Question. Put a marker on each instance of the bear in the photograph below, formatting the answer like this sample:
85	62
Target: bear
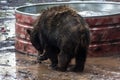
62	34
36	42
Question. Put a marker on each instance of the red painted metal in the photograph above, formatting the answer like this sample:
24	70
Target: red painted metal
23	44
105	33
103	20
25	47
25	19
21	31
107	49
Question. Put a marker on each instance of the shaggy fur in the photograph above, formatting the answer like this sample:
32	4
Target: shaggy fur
64	35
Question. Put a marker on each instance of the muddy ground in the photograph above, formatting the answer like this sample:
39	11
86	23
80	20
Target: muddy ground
18	66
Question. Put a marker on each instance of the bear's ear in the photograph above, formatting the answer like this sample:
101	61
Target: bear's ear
29	31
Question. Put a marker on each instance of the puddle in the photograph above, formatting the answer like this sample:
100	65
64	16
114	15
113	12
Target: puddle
18	66
104	68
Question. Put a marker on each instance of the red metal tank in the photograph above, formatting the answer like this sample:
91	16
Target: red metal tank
24	22
102	17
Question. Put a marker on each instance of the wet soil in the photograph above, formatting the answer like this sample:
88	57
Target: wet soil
18	66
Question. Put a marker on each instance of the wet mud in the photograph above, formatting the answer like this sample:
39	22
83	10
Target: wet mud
18	66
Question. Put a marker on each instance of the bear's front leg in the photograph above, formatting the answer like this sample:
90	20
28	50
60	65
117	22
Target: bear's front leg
52	53
43	57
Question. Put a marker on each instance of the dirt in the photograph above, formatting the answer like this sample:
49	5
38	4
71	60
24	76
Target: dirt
18	66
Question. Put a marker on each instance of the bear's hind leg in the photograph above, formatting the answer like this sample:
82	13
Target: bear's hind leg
64	59
80	59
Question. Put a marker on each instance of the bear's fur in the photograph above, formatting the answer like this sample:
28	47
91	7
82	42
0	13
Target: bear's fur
64	35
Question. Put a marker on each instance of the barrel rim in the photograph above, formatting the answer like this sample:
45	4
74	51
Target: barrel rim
71	2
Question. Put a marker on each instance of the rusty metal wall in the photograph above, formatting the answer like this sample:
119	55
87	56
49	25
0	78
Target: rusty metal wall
23	43
105	34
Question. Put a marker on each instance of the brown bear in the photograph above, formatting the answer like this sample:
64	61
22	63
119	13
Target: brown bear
64	35
37	43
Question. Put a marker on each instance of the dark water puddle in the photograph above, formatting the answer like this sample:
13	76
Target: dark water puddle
17	66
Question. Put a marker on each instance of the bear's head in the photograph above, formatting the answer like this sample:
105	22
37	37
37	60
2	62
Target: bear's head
35	39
